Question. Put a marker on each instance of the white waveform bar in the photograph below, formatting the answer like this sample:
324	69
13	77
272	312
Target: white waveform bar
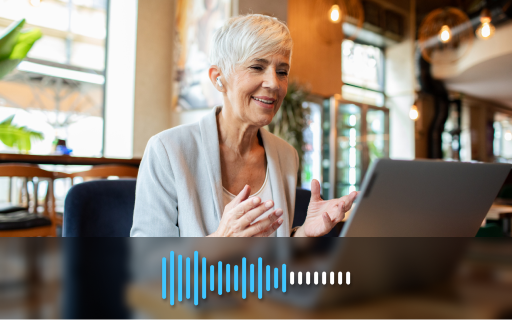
332	278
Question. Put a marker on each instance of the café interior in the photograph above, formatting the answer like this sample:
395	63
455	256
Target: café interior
84	85
370	79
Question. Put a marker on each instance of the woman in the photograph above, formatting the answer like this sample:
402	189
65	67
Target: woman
190	174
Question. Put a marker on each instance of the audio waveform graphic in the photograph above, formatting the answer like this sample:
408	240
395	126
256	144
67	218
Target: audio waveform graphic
220	283
230	276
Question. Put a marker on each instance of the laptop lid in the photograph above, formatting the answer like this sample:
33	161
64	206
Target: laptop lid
424	198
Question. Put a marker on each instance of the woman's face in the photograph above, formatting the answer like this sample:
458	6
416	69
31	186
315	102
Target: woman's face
257	88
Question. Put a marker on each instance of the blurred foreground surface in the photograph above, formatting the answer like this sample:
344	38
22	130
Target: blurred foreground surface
390	278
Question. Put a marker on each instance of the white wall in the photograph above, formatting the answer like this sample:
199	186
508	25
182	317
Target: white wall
120	79
399	90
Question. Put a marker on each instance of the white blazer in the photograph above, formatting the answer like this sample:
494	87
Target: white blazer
179	186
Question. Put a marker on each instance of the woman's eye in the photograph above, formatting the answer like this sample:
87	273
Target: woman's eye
256	68
283	73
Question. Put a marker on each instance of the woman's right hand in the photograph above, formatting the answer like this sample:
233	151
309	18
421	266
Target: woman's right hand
239	215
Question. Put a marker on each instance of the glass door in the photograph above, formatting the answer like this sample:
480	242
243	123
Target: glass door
348	149
359	134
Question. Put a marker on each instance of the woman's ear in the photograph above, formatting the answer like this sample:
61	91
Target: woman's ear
217	79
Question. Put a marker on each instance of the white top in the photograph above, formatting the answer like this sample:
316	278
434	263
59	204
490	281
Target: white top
265	193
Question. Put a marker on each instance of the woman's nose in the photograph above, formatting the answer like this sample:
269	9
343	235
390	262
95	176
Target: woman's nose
271	80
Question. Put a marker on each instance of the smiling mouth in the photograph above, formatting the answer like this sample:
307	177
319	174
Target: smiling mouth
269	102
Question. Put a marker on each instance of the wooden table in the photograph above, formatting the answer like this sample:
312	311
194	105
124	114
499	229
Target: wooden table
65	160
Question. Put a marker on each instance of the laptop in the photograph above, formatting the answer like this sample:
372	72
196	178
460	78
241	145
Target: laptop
438	205
424	198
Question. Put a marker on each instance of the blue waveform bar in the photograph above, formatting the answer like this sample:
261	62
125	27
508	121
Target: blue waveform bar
230	278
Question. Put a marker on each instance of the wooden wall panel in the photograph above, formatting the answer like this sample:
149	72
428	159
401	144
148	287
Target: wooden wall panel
314	62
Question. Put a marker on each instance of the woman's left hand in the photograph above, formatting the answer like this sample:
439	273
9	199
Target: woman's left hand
323	215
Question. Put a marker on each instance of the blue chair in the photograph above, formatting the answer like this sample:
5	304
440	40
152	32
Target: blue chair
104	208
100	208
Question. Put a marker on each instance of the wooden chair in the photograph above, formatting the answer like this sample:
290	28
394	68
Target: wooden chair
98	172
105	171
27	222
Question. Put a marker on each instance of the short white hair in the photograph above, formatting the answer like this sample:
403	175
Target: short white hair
245	36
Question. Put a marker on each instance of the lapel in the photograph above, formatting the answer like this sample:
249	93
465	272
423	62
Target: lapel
210	144
276	181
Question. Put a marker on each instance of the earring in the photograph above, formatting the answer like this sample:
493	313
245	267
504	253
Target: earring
218	82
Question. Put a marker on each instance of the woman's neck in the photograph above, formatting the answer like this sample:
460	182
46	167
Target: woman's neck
239	137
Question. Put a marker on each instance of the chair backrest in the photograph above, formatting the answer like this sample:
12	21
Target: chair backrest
104	171
24	171
100	208
29	171
302	197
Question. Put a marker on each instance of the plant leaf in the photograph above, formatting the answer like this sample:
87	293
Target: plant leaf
18	137
9	38
6	66
26	40
7	121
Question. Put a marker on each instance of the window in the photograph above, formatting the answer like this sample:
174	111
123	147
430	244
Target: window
502	146
362	73
356	125
58	89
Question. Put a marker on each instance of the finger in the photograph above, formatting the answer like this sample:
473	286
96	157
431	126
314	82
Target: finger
253	214
245	206
243	195
339	212
271	229
315	191
350	200
329	224
263	224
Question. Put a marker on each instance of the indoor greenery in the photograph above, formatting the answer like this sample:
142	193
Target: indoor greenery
18	137
14	47
290	121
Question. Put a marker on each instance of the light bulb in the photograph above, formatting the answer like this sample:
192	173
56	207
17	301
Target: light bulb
486	29
335	13
35	3
445	34
413	113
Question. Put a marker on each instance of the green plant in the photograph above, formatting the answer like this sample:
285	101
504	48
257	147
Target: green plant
17	137
291	120
15	45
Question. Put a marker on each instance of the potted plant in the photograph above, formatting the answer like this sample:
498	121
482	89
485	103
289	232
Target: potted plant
14	47
291	120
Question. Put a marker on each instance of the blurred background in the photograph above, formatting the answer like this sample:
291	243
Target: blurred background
369	79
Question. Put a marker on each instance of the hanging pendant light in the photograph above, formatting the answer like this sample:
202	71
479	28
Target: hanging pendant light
413	113
445	35
335	14
486	29
329	17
